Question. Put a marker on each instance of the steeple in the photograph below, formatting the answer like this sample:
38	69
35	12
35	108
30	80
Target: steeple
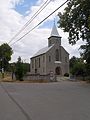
54	37
54	31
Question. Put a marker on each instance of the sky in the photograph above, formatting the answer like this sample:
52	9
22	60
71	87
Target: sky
14	14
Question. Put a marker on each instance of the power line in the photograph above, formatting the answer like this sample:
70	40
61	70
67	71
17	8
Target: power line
41	8
31	19
40	22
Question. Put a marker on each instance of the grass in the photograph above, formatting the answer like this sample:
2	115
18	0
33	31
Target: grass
25	81
8	78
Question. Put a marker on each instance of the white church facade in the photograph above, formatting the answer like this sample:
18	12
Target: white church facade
51	59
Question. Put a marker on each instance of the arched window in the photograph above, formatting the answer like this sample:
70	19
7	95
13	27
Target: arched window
57	55
39	62
49	58
32	63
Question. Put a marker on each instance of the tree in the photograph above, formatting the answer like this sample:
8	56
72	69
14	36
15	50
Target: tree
79	70
72	62
19	70
77	66
5	55
26	67
76	20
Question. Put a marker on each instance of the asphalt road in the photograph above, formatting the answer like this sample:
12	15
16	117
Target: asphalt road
45	101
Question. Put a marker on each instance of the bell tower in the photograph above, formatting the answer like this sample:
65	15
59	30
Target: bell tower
54	37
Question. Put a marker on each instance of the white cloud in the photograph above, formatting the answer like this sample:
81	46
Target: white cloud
11	22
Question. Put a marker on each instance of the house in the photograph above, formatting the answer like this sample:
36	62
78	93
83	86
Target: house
52	59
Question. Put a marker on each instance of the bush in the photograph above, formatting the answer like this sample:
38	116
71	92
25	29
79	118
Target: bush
66	74
19	73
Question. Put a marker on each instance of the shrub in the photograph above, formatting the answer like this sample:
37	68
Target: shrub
19	70
66	74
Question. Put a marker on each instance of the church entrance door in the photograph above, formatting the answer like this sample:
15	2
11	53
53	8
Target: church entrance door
58	70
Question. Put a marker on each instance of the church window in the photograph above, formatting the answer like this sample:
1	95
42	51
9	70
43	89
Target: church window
35	63
49	58
39	62
43	58
66	59
57	55
32	63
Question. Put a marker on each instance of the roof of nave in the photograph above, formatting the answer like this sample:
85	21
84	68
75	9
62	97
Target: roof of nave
42	51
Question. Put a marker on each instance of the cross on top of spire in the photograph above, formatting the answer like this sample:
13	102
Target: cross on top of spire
54	31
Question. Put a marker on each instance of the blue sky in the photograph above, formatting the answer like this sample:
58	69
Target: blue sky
23	7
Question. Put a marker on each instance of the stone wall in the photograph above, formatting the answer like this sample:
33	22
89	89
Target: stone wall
39	77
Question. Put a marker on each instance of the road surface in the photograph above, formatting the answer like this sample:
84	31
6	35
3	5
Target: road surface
46	101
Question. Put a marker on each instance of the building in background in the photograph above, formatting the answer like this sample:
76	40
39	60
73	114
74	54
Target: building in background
53	59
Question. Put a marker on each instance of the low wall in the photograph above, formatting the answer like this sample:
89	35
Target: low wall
39	77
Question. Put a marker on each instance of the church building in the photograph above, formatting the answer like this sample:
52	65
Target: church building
51	59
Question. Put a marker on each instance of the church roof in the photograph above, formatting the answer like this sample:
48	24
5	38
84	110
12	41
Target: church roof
54	31
42	51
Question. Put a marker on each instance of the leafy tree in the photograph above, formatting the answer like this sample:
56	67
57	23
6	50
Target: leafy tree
5	55
77	66
26	67
76	20
79	69
86	52
72	61
19	70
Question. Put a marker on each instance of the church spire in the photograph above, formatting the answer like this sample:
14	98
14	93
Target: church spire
54	31
54	37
